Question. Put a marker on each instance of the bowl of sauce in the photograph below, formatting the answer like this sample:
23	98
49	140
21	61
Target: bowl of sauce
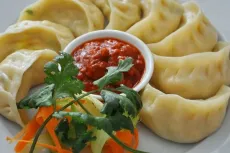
94	52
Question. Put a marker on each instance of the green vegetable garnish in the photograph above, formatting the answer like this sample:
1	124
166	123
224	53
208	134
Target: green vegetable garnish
117	103
132	95
42	97
62	74
30	12
74	134
118	111
114	74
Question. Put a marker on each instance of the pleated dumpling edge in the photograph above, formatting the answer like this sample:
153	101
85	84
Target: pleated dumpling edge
18	73
195	34
80	16
181	120
34	35
195	76
161	18
121	14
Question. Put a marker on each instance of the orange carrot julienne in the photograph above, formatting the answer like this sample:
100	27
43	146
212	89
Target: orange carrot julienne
20	133
126	137
136	139
59	107
112	147
39	144
81	101
42	115
30	131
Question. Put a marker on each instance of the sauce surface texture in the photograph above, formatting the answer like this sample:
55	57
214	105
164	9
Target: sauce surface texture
93	57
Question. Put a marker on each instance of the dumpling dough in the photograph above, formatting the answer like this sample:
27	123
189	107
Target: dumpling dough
122	14
81	16
196	34
220	45
161	18
18	73
181	120
34	35
196	76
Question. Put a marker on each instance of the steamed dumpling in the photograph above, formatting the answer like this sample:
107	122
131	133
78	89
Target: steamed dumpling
161	18
220	45
18	73
122	14
196	34
195	76
81	16
181	120
34	35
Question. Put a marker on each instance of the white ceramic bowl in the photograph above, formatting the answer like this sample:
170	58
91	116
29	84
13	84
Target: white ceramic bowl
141	46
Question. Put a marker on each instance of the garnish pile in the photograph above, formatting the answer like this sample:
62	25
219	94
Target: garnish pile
72	130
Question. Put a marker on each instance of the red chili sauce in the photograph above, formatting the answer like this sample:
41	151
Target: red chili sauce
93	57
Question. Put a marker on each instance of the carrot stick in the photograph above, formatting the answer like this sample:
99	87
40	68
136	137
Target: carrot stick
30	131
42	115
126	137
59	107
136	139
39	144
20	133
31	128
112	147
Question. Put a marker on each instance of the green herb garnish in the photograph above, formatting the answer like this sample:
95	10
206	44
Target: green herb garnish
118	111
74	134
114	74
42	97
30	12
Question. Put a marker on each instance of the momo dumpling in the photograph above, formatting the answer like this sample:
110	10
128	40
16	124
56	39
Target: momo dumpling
220	45
34	35
161	18
18	73
195	34
181	120
122	14
81	16
195	76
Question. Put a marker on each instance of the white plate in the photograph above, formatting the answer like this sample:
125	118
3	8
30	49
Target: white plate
217	11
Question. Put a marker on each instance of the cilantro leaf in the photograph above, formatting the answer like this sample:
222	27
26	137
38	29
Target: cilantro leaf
115	102
108	124
62	131
42	97
62	73
60	69
111	105
30	12
81	135
99	122
74	135
67	66
52	72
114	74
132	95
69	88
124	122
